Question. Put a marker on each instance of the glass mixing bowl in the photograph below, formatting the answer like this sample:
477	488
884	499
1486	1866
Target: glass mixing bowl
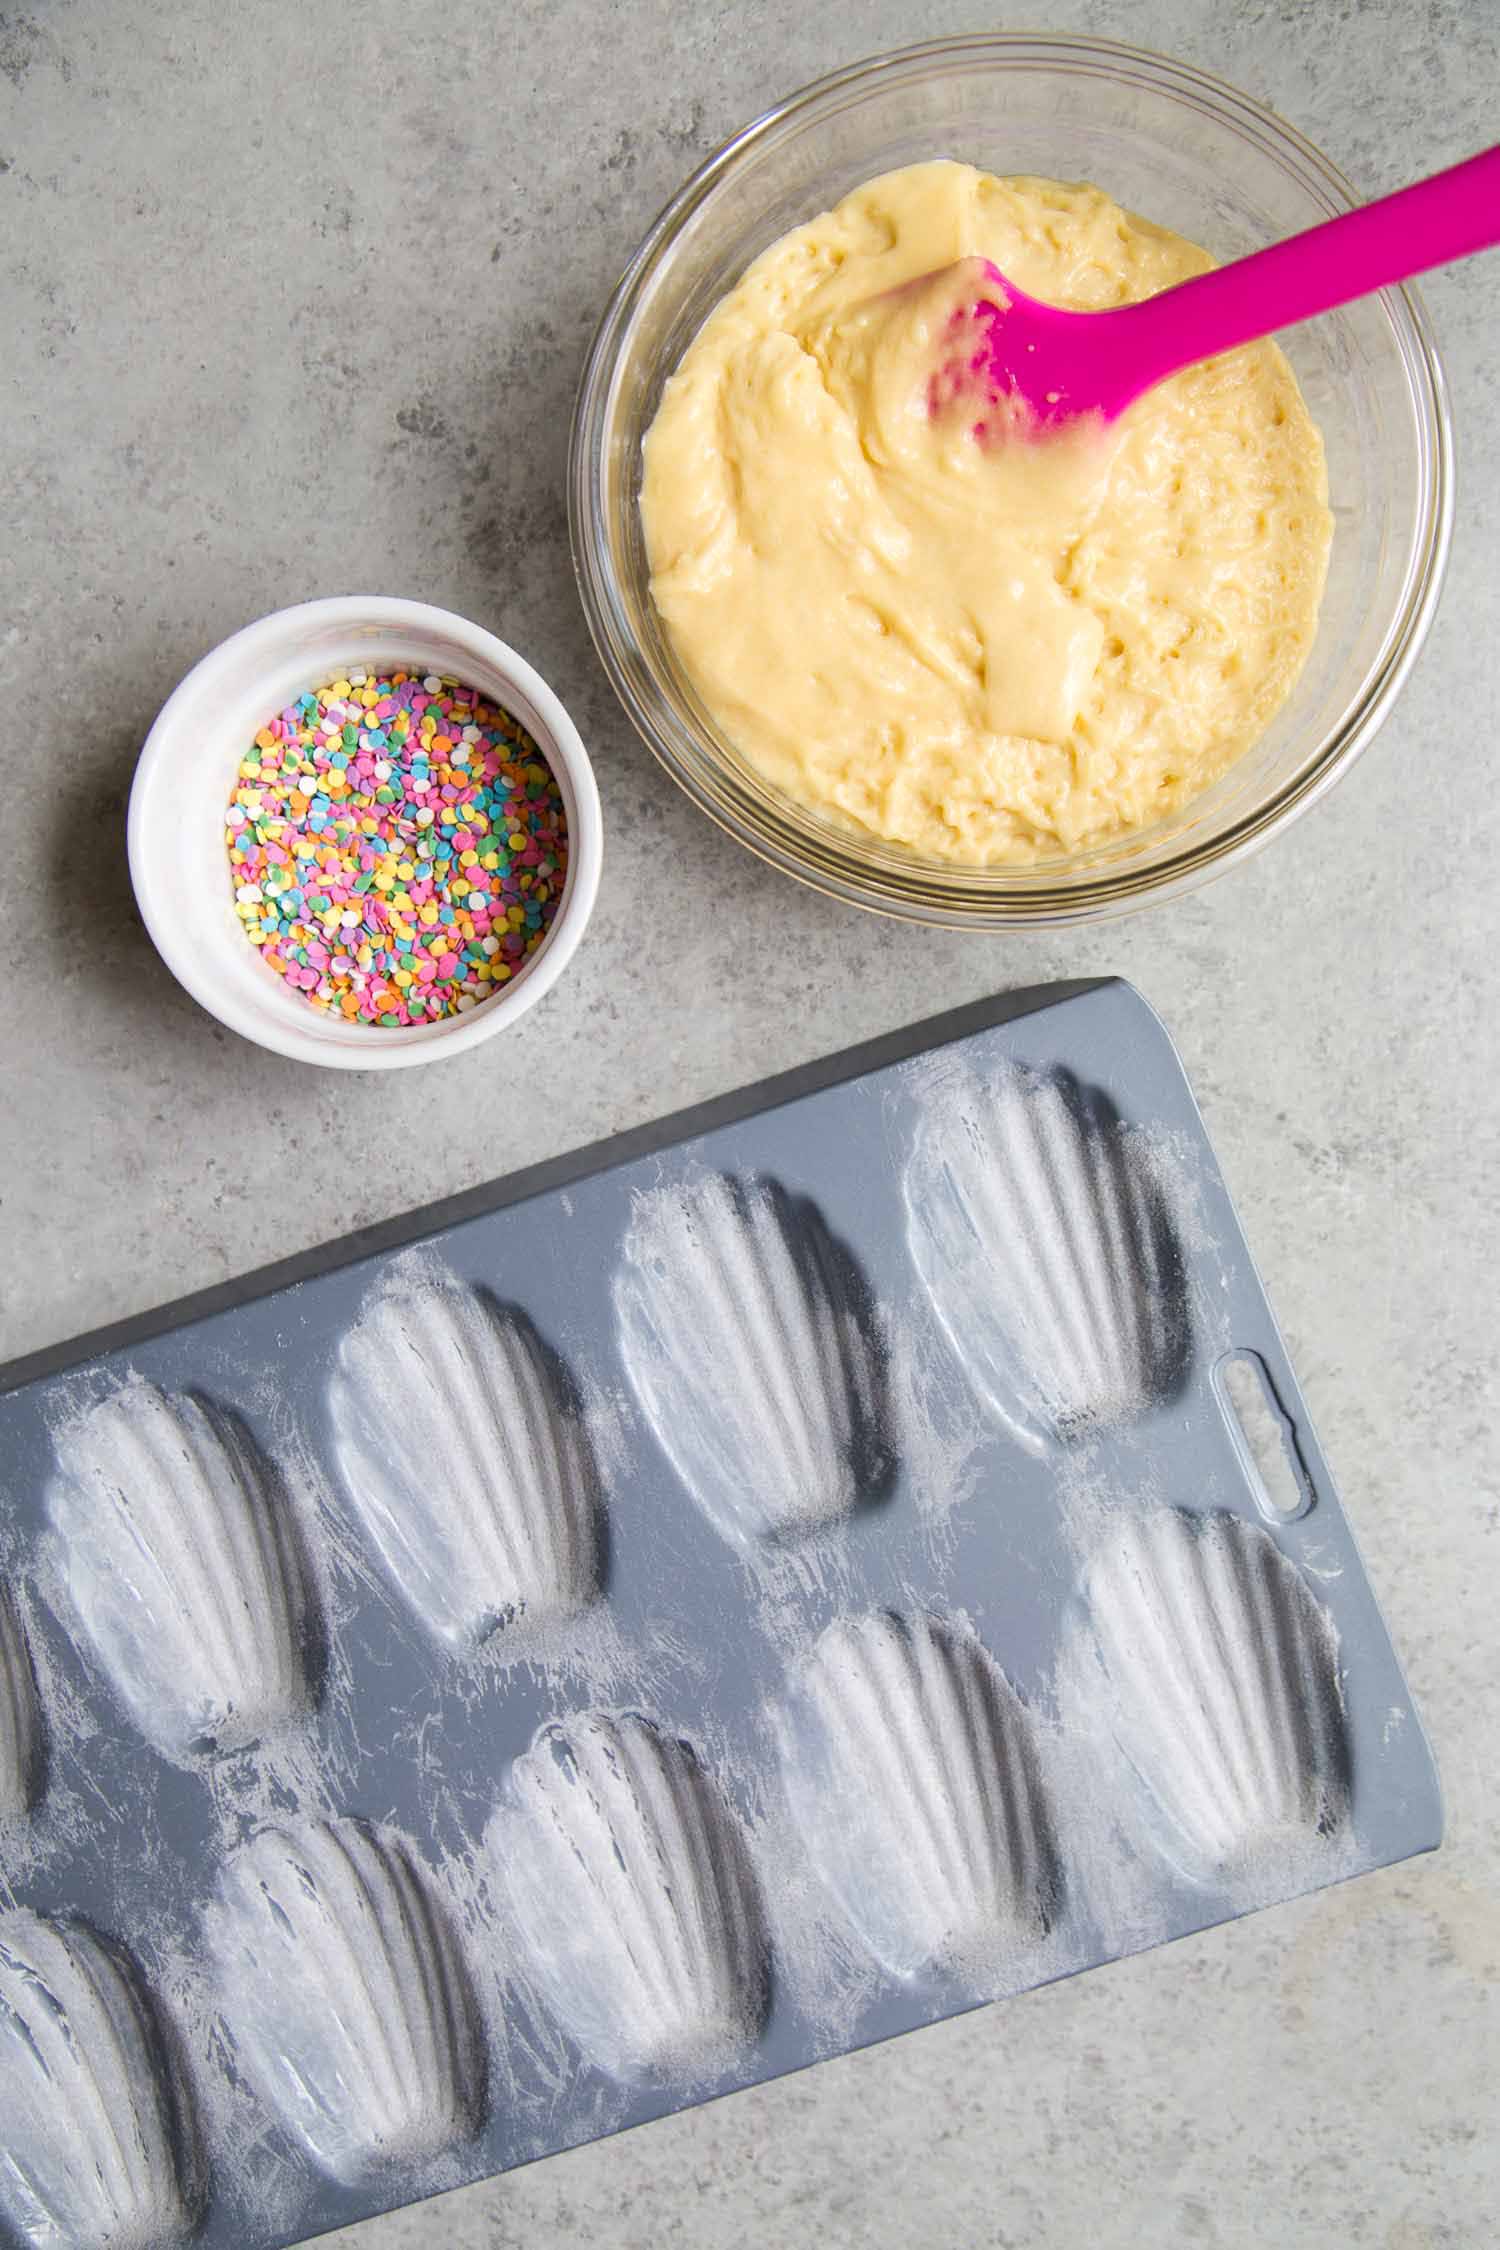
1177	146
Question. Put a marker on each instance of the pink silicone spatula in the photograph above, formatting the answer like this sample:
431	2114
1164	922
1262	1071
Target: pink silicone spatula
1057	365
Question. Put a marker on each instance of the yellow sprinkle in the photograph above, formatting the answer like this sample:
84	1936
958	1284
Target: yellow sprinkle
402	976
338	693
468	859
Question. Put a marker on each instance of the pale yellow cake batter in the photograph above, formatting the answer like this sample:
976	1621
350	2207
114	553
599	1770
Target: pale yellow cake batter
990	652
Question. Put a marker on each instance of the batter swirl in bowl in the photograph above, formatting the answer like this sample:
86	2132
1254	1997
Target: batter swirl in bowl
990	648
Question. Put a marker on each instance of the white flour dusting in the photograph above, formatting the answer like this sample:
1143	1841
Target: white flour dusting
630	1889
345	1995
1212	1670
748	1353
912	1777
467	1466
89	2144
1043	1246
169	1560
20	1717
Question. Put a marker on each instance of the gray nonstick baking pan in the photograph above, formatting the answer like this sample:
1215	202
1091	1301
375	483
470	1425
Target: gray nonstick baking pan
851	1552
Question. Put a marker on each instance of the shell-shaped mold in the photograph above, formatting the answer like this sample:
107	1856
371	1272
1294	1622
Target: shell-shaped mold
89	2151
467	1468
180	1570
20	1718
1044	1250
912	1776
1217	1675
631	1892
748	1355
345	1995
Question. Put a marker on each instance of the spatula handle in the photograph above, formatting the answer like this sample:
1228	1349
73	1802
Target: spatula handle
1449	216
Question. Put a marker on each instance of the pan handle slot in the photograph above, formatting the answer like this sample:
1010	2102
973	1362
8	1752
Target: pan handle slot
1264	1437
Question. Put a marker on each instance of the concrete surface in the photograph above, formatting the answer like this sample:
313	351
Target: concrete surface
293	303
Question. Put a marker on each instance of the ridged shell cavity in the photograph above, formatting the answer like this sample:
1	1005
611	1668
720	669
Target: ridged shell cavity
180	1571
748	1355
345	1995
631	1893
466	1465
21	1737
1044	1250
1215	1669
89	2155
912	1775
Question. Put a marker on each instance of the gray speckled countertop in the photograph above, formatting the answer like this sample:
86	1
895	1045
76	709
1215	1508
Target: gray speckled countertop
225	238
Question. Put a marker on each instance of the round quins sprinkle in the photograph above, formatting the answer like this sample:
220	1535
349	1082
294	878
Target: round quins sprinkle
398	847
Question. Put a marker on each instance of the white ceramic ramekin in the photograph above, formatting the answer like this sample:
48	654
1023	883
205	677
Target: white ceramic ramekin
185	777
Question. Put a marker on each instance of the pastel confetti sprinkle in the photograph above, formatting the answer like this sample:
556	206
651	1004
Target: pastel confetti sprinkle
397	847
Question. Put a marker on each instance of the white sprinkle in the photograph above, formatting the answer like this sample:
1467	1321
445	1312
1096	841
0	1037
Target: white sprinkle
358	679
489	945
382	769
249	894
432	684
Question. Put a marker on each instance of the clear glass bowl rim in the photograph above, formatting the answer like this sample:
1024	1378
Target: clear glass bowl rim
1010	898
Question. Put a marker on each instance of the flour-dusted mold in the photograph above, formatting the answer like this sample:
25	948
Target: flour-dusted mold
21	1739
746	1345
177	1564
1044	1248
464	1461
988	1782
912	1776
1215	1671
631	1891
92	2132
345	1995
